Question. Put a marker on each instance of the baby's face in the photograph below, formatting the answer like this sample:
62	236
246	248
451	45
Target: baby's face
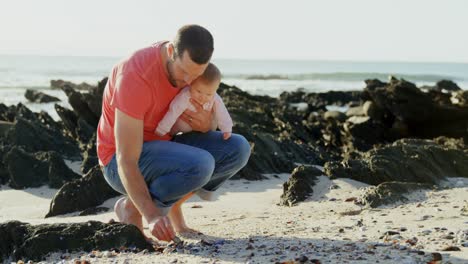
203	92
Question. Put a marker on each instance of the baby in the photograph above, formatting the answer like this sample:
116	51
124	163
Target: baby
203	91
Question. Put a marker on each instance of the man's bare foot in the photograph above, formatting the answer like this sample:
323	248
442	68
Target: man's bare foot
178	222
127	213
188	231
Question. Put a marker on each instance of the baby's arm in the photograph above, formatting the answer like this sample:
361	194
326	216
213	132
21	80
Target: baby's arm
176	108
222	117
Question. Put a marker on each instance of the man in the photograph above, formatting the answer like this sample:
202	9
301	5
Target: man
157	174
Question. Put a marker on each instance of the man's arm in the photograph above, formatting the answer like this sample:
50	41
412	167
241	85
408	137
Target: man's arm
129	143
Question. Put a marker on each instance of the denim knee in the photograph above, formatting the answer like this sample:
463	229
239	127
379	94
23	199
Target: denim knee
241	150
203	166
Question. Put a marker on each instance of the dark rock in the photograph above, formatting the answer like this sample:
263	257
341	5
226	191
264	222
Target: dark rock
46	120
89	162
425	116
34	136
372	84
299	185
69	119
447	85
79	103
4	175
39	97
90	158
464	210
390	192
84	131
26	170
362	132
297	96
406	160
462	98
89	191
451	248
93	211
24	241
4	127
59	84
334	115
278	138
340	98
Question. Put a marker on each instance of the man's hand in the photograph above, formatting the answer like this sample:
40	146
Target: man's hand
161	228
199	120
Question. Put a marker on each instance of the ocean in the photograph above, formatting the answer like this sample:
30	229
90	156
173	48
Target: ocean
263	77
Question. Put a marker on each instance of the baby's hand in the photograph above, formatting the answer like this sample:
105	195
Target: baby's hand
226	135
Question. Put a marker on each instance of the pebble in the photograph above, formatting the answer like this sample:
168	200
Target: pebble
426	232
451	248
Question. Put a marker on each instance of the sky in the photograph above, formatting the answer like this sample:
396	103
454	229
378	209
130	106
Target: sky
359	30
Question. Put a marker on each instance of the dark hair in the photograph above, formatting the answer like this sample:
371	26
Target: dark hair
211	74
197	40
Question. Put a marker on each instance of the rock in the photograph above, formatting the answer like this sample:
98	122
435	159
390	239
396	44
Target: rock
363	132
451	248
34	137
89	191
80	105
372	84
89	162
58	84
425	116
4	174
390	192
406	160
335	115
447	85
27	170
39	97
299	185
93	211
464	210
4	127
24	241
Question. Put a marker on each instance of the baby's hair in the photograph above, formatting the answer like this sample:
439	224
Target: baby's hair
211	74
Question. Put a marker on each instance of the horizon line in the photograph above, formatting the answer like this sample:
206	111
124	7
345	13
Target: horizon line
250	59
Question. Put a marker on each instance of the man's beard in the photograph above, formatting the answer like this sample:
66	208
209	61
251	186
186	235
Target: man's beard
171	78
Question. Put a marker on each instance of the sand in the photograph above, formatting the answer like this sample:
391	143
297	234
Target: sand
245	225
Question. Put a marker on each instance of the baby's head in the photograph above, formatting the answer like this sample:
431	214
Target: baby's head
204	87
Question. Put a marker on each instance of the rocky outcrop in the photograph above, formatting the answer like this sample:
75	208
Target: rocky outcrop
27	170
22	241
425	115
89	191
33	136
299	185
406	160
39	97
278	137
390	192
58	84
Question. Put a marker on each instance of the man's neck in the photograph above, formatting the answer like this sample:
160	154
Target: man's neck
164	58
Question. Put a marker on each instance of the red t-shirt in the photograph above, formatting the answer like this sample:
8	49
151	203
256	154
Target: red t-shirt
138	87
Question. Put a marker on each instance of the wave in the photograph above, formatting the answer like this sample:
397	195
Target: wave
342	76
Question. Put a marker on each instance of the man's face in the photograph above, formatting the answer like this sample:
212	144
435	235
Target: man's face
182	70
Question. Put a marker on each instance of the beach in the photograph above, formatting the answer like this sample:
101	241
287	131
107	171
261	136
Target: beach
250	227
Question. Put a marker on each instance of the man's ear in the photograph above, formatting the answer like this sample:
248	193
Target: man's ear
170	51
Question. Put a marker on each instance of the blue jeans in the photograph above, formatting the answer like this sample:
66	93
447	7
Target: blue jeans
194	161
